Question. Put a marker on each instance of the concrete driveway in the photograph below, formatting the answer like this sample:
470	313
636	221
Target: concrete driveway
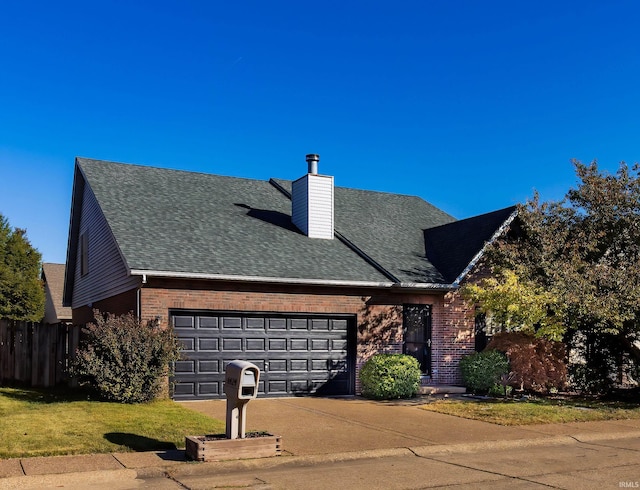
314	426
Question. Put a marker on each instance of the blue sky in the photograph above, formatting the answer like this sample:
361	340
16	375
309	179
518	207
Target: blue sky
471	105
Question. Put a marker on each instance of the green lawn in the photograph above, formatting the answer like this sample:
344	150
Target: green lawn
45	423
537	411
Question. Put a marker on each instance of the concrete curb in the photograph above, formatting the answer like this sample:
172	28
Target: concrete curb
581	438
152	466
222	467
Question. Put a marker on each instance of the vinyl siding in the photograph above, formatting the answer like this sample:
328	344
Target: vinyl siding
312	206
321	208
300	204
106	271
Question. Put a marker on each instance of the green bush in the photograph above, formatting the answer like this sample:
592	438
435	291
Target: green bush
124	360
483	370
389	376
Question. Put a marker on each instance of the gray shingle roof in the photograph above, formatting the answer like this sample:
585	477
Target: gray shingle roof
389	228
169	220
194	223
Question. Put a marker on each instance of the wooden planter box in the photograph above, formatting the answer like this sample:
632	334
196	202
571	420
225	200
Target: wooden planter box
219	448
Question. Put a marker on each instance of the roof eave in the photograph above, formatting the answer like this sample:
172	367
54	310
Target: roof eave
79	182
146	274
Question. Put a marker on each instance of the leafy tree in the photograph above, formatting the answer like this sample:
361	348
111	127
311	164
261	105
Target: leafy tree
517	304
573	266
21	290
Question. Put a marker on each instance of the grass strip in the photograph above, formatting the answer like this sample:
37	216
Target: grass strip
539	411
47	423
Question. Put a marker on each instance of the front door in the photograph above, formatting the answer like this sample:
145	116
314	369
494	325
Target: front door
417	334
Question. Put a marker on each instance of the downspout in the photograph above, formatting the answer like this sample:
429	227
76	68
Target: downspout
139	298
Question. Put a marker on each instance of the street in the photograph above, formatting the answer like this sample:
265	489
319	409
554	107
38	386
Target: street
598	465
555	463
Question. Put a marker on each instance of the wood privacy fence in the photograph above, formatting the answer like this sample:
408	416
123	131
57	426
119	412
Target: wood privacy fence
36	354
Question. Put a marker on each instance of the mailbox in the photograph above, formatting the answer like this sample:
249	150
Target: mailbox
240	386
241	380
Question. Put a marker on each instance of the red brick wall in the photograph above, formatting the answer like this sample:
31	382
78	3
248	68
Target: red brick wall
379	314
453	338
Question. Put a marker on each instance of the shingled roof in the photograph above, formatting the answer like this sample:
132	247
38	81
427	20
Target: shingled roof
452	247
202	224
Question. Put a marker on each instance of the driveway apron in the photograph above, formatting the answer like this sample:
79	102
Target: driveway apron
312	426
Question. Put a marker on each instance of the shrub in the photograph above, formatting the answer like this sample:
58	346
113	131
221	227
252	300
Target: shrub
590	380
482	371
600	363
537	363
388	376
124	360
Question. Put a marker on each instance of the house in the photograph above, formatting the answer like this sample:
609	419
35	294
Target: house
53	279
303	278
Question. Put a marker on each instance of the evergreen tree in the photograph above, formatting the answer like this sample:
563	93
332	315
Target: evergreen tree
21	290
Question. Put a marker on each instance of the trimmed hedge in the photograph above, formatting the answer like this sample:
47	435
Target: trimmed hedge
389	376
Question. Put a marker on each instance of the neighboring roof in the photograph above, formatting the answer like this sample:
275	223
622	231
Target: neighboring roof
199	224
53	277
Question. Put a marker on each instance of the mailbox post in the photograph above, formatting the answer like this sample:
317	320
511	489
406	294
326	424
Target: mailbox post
240	386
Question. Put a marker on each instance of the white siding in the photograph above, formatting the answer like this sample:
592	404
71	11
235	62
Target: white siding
300	204
106	271
312	205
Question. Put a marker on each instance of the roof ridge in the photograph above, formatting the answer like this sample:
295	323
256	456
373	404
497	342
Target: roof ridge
169	169
274	181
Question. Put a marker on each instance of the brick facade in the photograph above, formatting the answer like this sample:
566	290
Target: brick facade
378	313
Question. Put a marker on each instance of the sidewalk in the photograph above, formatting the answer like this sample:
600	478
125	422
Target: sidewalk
314	431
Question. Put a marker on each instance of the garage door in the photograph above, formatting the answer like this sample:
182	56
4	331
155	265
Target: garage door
296	354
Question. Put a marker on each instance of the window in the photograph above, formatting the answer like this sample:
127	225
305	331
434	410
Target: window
84	258
481	337
485	329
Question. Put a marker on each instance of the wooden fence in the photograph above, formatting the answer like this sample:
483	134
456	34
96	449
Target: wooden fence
36	354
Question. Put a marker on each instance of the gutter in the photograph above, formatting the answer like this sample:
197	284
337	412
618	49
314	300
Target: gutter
146	274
